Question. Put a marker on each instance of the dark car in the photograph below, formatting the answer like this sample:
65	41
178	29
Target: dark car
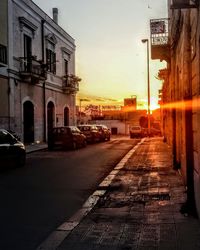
91	132
14	134
155	132
68	137
104	132
12	151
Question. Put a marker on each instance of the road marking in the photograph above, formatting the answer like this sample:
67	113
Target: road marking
59	235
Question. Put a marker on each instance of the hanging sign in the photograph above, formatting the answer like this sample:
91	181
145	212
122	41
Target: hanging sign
157	27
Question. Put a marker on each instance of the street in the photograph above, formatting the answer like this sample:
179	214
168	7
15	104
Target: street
50	188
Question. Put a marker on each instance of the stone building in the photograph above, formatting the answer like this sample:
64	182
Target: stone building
180	93
38	85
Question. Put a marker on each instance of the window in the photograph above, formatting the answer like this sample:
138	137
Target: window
27	53
3	54
66	67
51	58
27	46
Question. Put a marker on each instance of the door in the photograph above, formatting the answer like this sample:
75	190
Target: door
191	206
174	137
50	116
66	116
28	118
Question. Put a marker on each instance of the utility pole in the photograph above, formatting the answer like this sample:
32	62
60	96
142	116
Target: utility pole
148	86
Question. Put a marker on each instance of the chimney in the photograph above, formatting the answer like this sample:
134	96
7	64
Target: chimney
55	15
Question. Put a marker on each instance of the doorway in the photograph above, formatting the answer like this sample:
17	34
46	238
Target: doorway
50	116
28	118
66	116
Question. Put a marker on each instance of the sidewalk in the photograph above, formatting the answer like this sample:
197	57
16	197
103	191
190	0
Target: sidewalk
35	147
137	208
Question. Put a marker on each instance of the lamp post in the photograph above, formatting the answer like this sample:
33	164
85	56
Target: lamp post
148	85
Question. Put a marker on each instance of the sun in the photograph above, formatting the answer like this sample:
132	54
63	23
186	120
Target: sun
154	105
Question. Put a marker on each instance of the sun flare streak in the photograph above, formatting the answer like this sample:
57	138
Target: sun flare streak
183	105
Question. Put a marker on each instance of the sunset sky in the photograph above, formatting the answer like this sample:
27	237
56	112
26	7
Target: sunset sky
110	57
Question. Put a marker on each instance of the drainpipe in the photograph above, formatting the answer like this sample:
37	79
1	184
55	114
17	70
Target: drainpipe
44	83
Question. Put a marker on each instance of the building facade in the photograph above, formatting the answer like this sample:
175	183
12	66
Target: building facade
180	94
38	85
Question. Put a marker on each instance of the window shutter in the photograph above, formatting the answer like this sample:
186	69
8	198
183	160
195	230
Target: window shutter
48	59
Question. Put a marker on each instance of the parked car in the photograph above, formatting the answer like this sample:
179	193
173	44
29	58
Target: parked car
14	134
135	131
68	137
104	132
91	132
156	129
144	132
12	151
155	132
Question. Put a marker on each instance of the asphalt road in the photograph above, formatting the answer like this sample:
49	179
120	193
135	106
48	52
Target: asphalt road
51	187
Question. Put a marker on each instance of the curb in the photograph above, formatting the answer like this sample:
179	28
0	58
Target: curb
36	149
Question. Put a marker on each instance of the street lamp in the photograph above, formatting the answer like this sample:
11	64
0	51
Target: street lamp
148	84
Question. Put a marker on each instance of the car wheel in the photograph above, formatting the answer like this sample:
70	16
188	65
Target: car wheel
50	147
74	145
84	143
21	161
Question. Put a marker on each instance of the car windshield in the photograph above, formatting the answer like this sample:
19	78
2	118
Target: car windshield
61	131
136	128
84	128
5	137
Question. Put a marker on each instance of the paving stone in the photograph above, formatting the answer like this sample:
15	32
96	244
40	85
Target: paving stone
147	247
165	245
143	211
168	236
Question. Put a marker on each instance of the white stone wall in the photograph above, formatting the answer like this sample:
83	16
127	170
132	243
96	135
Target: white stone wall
21	91
122	127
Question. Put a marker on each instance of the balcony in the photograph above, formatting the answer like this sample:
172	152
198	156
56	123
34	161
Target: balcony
184	4
71	84
3	55
160	48
32	70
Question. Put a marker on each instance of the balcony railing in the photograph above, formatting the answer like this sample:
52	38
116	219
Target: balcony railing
32	69
3	55
71	83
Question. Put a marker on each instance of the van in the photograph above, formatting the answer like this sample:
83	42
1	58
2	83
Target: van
135	131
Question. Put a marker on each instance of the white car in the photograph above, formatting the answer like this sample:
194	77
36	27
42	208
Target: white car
135	131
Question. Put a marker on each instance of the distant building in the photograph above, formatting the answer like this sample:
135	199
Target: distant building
37	71
130	103
120	120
